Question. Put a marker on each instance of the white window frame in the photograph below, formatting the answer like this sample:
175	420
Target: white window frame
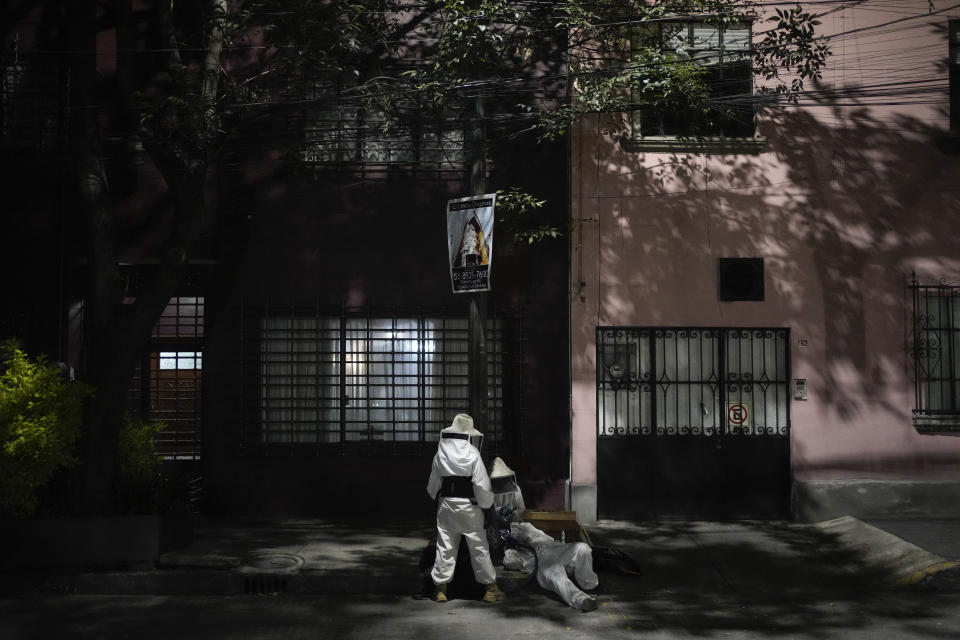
710	46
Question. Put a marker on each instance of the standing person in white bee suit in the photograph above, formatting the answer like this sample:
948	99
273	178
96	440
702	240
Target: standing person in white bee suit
460	481
555	562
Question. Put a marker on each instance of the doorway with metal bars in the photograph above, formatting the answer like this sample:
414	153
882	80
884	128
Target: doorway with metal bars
693	422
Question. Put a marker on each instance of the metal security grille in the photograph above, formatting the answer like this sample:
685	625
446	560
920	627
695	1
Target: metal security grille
32	100
349	135
167	384
352	135
692	381
370	378
936	355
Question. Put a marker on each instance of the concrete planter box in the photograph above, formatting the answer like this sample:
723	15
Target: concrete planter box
92	542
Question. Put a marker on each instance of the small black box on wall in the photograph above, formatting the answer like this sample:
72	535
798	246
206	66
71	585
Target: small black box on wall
741	279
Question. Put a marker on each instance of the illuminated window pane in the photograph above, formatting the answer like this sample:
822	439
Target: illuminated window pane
181	360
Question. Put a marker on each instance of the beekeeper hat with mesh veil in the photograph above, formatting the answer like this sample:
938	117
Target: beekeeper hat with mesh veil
502	477
462	429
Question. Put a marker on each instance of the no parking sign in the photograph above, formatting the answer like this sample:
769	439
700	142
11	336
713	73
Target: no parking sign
738	414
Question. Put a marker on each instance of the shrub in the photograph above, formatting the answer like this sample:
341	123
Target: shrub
137	464
40	417
137	449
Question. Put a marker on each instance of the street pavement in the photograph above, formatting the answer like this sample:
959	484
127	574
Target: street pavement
843	578
659	615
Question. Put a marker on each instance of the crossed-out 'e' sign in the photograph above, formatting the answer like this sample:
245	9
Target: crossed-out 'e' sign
738	414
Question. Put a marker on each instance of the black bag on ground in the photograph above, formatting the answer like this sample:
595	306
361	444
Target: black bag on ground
614	560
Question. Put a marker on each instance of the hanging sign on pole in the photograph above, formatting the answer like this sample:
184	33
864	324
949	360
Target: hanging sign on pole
470	242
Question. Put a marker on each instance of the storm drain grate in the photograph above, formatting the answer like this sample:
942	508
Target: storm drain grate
269	573
262	586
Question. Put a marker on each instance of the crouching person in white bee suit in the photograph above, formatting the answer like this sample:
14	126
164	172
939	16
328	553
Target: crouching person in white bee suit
506	492
555	561
461	486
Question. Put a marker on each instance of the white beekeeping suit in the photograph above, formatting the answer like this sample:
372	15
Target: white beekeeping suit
459	479
506	491
555	562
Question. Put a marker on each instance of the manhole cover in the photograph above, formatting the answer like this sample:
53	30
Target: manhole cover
273	562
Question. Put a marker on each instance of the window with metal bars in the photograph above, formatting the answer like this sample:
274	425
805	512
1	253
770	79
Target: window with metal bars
167	383
362	379
692	381
354	135
936	356
31	101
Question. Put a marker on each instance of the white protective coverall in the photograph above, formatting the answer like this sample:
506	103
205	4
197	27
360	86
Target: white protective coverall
460	516
506	491
557	561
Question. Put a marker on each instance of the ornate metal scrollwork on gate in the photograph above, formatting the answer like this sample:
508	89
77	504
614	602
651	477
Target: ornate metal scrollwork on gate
692	381
935	350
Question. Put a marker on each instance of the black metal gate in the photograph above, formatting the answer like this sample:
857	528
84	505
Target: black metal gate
693	422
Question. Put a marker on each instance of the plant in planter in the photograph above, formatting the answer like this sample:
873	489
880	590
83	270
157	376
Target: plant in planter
40	422
138	475
40	417
145	487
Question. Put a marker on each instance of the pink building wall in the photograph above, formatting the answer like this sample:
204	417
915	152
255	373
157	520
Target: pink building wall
844	203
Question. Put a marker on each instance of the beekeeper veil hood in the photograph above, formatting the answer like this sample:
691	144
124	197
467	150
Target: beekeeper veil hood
502	477
462	428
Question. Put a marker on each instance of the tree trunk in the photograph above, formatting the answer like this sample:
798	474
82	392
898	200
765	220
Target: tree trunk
118	334
102	278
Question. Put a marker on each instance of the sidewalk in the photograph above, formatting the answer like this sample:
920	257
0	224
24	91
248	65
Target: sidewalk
759	556
317	556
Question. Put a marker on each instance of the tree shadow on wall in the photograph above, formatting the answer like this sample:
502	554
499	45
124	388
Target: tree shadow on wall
842	206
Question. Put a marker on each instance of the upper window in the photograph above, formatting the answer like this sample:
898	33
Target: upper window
936	351
724	51
352	135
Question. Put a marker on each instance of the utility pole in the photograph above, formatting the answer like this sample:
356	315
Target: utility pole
477	325
475	168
